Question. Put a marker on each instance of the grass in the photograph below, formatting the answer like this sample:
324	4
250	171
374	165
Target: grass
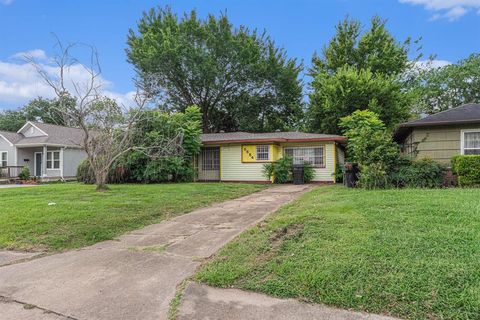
81	216
409	253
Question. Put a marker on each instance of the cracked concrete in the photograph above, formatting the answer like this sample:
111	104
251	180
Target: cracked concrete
129	277
201	302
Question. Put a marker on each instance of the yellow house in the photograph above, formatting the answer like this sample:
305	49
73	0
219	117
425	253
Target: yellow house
240	156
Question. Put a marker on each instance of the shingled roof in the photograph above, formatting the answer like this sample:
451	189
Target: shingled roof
12	137
464	114
245	137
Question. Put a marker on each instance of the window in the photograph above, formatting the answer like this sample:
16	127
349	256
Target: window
210	159
313	155
3	159
263	153
471	142
53	160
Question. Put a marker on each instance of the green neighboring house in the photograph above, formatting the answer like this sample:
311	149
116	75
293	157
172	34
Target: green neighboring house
442	135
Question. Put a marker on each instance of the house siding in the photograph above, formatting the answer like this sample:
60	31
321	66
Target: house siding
71	160
233	169
5	146
437	143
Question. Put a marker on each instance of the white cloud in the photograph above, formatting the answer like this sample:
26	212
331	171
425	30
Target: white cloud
447	9
38	54
432	64
19	81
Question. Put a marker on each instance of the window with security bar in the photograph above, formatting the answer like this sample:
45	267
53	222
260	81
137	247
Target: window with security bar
211	159
312	155
263	153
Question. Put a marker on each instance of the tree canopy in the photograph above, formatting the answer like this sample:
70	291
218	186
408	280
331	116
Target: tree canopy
448	87
237	77
359	71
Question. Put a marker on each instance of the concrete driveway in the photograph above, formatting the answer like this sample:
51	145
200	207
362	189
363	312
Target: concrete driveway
134	276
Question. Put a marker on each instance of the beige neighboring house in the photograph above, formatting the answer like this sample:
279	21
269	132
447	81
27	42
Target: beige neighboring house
442	135
241	156
51	152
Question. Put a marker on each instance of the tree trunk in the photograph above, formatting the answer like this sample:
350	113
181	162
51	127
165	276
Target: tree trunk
101	181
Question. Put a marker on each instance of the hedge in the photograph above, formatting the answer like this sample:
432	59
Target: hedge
467	168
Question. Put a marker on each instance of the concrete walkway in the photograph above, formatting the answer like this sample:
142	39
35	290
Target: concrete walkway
201	302
135	276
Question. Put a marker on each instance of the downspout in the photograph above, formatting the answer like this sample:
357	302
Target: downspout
61	163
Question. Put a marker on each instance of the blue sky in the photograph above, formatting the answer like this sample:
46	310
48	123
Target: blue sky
450	29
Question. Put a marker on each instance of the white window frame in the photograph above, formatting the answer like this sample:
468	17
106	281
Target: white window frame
52	161
322	165
462	138
1	159
262	152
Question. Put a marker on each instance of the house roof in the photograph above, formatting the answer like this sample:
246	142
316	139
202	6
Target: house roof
55	135
464	114
245	137
12	137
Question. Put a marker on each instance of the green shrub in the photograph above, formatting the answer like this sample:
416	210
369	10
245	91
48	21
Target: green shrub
467	168
339	173
308	172
373	176
281	170
24	174
424	173
85	173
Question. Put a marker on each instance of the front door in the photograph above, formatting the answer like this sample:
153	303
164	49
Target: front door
209	164
38	164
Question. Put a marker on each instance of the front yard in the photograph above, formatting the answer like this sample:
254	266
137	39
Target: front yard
410	253
78	216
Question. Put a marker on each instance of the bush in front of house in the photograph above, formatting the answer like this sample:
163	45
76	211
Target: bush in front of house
467	168
24	174
282	170
424	173
85	173
374	176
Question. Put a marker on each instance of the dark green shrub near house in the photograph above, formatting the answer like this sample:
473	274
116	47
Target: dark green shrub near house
282	170
84	173
24	174
308	172
467	168
424	173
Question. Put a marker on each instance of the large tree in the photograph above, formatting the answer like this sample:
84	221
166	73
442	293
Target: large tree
238	77
442	88
358	71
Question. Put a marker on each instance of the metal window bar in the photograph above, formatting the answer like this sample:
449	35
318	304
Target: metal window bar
211	159
263	152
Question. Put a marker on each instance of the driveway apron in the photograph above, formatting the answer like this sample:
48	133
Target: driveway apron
136	275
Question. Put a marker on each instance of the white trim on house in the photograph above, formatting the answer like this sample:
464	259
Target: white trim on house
462	138
33	125
1	157
52	160
9	142
41	144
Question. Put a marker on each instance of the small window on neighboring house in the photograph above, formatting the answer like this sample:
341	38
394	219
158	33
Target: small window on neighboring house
263	153
314	156
3	159
471	142
53	160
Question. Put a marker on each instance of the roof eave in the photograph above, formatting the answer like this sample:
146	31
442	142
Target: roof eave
436	123
274	140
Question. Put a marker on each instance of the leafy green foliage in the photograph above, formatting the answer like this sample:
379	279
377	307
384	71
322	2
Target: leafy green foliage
368	140
39	109
467	168
442	88
280	170
138	166
24	174
373	176
359	71
424	173
238	77
308	172
85	173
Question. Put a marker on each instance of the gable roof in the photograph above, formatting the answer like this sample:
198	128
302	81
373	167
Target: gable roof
464	114
245	137
11	137
56	135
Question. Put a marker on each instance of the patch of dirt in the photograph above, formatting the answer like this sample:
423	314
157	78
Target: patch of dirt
287	232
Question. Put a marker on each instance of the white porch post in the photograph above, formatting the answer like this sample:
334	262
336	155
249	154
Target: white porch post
44	162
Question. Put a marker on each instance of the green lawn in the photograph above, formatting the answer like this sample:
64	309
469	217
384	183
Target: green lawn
82	216
409	253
